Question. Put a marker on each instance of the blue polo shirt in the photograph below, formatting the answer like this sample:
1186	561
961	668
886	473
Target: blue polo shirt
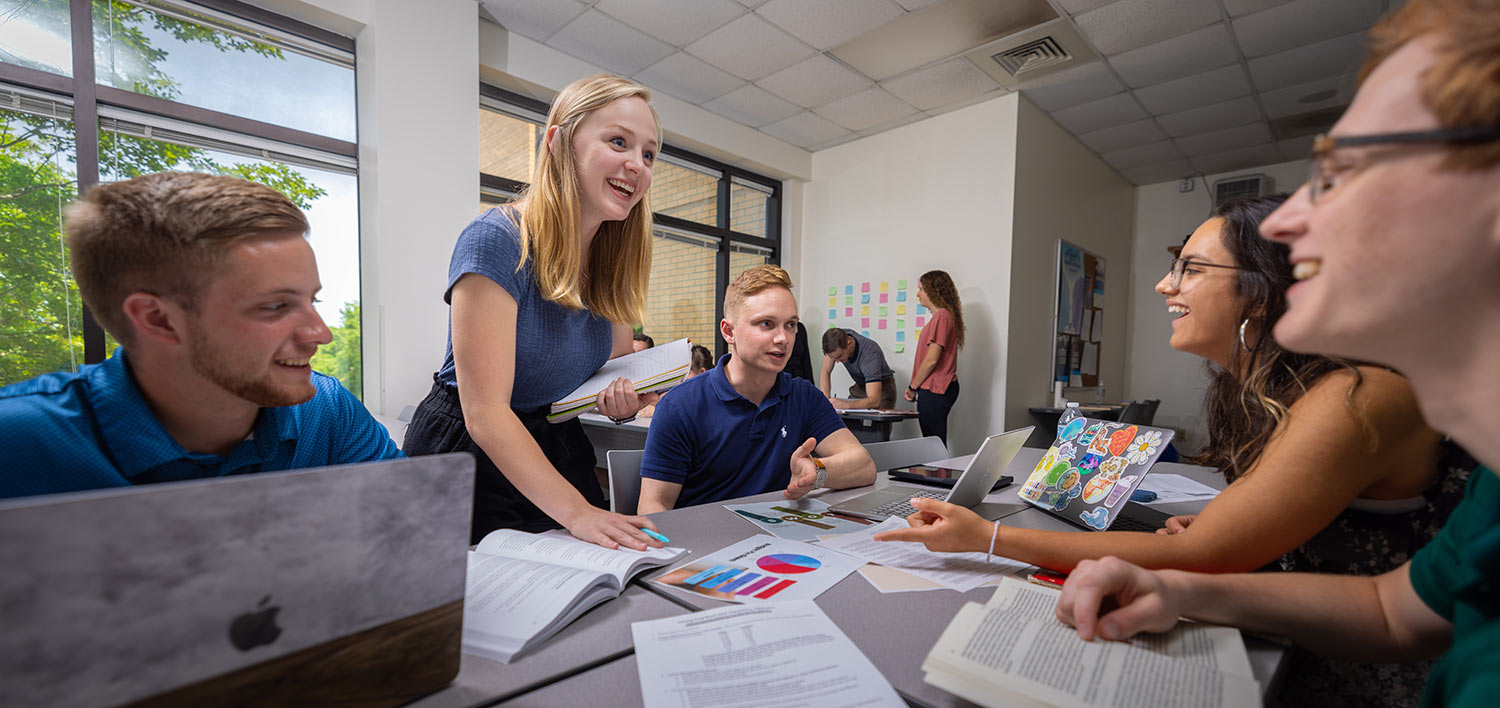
718	445
67	432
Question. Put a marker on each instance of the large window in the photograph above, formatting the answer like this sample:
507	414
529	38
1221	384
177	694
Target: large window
216	86
712	220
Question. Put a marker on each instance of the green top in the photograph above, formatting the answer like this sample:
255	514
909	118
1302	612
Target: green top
1458	576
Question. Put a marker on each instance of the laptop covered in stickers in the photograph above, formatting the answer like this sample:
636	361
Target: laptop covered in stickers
1088	473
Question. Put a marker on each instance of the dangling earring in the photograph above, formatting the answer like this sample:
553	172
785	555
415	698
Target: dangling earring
1244	346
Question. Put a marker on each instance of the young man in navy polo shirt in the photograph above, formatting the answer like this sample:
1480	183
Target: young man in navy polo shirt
208	283
745	427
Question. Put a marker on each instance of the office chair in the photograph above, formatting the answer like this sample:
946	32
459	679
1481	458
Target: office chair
624	479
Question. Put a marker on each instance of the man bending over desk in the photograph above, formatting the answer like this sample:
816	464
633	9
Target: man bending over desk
745	427
874	382
208	283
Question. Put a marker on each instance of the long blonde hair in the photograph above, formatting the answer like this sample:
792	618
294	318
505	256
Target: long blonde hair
619	258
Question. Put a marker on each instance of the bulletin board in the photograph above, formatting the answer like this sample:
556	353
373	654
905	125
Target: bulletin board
1078	319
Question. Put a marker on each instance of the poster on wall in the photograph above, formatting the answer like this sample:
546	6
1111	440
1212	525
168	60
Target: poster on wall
1078	317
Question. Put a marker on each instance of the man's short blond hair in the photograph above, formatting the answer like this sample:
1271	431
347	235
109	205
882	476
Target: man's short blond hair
165	234
752	282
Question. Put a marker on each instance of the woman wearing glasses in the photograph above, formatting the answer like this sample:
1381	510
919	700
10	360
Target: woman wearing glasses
1331	467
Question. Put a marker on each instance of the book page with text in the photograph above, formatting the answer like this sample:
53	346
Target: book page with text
563	549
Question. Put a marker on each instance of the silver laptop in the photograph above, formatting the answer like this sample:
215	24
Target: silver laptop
987	466
244	589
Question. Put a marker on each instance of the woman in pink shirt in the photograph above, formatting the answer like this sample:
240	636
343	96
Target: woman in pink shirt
934	383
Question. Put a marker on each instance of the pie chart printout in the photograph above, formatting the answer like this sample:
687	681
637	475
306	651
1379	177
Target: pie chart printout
788	563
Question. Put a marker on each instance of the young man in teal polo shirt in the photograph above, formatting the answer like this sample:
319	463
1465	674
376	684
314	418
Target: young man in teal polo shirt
746	427
208	283
1396	242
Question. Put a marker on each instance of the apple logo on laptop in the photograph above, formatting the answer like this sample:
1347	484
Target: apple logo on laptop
256	628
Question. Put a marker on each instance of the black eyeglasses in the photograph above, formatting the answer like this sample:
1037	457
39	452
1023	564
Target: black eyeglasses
1180	266
1323	176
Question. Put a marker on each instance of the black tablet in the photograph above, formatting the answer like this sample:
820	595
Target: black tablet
938	476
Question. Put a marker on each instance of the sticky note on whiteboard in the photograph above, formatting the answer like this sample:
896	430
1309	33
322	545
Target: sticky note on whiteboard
864	322
880	324
900	335
833	314
900	347
848	312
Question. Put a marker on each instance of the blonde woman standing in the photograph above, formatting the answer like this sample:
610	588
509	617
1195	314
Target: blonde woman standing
543	292
934	382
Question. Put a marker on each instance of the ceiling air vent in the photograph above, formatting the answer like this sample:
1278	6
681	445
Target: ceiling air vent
1031	53
1241	187
1032	56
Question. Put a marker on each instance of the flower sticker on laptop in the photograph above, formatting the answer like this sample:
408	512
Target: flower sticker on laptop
1144	447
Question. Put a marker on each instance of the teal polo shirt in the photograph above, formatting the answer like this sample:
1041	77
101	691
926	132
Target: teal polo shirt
718	445
67	432
1458	576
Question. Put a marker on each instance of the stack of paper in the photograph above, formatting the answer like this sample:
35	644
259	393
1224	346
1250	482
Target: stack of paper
655	369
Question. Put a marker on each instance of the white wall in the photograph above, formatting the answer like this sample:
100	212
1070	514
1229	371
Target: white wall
1063	191
1163	217
932	194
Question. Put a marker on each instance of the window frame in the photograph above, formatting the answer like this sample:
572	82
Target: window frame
88	96
493	97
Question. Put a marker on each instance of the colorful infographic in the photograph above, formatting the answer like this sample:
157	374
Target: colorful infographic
762	568
1091	467
799	520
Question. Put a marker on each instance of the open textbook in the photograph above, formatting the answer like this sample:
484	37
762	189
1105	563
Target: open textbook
654	369
1013	651
522	588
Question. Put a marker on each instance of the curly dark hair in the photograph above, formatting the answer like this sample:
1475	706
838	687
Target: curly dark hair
1242	413
943	294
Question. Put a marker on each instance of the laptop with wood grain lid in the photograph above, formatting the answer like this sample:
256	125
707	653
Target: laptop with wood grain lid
331	585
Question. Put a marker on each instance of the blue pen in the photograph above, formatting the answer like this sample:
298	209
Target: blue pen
656	536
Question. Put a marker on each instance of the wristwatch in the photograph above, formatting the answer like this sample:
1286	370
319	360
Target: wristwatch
622	421
822	480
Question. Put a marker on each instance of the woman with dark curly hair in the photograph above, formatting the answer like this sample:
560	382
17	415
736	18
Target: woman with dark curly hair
934	382
1331	466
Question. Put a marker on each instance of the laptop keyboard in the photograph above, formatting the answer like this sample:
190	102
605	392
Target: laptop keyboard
1125	522
903	507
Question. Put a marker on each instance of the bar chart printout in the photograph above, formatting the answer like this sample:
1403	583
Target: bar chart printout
762	568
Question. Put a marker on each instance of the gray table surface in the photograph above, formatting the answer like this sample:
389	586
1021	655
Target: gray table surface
601	635
590	662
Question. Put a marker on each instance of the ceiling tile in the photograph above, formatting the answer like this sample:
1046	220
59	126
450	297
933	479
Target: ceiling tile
1130	24
1304	98
675	22
1302	22
1070	87
1339	56
1243	158
1218	116
1159	172
941	84
1077	6
1119	137
909	118
866	109
1208	48
689	78
750	48
847	137
1141	155
536	19
1203	89
609	44
1296	148
1245	7
814	81
975	100
1228	139
829	23
1096	115
914	5
751	105
806	129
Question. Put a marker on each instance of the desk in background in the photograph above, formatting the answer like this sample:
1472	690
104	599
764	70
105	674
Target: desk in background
606	436
1045	420
874	426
